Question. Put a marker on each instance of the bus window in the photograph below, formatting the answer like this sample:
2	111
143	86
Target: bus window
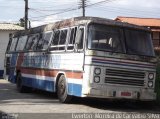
14	43
62	40
106	38
80	38
44	40
21	43
47	38
40	42
72	39
139	43
32	42
54	43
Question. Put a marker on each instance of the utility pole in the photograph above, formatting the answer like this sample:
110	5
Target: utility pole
26	14
83	5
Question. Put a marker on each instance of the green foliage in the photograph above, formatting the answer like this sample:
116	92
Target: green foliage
157	86
22	22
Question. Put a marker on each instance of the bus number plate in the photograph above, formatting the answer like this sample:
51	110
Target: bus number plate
126	94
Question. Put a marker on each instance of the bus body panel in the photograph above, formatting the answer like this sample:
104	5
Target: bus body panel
40	70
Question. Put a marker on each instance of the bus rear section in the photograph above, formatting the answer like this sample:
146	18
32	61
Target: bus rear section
48	60
119	63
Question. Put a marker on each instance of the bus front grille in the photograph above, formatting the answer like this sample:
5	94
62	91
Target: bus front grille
124	77
124	81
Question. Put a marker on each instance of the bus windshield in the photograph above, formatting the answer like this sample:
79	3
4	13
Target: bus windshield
112	39
139	42
106	38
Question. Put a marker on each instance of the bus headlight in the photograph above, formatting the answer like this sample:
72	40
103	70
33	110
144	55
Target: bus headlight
150	84
151	76
96	79
97	71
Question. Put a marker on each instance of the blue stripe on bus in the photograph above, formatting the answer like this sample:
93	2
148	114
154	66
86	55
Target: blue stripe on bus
39	84
1	73
73	89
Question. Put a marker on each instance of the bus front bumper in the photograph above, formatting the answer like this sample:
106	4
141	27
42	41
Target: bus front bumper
116	92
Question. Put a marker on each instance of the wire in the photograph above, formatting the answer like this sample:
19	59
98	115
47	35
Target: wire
97	6
51	10
37	11
72	9
138	10
126	11
100	2
19	7
57	13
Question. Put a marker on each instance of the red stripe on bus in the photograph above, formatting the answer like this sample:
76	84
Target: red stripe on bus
51	73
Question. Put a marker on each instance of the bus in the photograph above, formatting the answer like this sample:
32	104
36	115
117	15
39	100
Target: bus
84	57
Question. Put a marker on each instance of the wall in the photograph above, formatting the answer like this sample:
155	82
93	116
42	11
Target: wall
156	39
4	38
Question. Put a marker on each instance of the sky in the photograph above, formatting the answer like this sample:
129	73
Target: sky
47	11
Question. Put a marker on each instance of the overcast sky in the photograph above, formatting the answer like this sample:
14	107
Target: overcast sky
13	10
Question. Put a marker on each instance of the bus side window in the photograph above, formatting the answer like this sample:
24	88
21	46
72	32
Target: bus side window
62	40
44	40
55	40
21	43
40	42
29	42
71	41
13	45
80	38
32	42
47	38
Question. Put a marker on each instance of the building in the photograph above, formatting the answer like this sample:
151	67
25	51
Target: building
152	23
5	30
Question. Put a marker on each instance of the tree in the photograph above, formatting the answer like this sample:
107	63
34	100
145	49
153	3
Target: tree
22	22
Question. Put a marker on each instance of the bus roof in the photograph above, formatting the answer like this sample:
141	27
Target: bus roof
77	21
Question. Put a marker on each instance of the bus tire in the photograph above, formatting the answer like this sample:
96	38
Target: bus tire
62	90
20	87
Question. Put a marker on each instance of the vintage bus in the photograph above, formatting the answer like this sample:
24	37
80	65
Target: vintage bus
84	57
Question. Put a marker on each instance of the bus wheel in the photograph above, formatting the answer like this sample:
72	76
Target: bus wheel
20	87
62	90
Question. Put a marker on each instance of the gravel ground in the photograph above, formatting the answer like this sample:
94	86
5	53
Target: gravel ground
11	101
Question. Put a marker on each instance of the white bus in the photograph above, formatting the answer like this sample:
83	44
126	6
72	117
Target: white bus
84	57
